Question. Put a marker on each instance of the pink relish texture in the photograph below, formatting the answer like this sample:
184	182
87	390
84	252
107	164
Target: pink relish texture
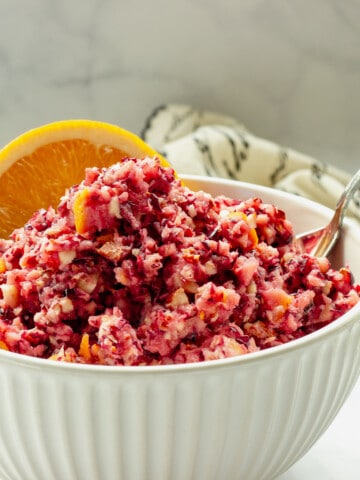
133	268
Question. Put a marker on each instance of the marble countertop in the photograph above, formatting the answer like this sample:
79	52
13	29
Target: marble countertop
290	71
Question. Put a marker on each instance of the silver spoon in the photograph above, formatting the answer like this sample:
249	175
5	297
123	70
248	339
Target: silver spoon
320	241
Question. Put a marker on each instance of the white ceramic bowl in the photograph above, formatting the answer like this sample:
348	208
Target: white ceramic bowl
247	418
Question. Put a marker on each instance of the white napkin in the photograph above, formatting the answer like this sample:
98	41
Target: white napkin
206	143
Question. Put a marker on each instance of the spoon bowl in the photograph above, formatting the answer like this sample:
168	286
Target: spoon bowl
319	242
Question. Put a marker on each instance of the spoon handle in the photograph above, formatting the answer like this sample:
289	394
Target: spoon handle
331	233
350	190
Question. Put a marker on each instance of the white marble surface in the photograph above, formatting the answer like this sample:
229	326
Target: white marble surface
290	70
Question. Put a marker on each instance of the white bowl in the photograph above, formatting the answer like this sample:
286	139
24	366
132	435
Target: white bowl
248	417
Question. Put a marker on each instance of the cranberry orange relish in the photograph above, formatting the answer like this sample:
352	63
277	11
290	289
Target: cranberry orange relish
133	268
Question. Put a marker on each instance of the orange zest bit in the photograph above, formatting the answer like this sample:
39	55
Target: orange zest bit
3	345
84	349
2	265
79	210
254	236
237	216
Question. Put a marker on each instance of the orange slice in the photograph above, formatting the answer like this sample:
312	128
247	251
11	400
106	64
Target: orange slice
38	166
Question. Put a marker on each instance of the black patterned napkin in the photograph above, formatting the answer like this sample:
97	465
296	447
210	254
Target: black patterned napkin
206	143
